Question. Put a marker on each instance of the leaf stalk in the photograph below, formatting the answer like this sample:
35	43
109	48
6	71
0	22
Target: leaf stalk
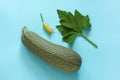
89	41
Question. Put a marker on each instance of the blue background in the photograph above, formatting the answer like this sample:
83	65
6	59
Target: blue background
18	63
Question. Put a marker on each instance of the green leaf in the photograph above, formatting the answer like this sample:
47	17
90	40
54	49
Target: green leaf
69	38
86	23
67	19
68	34
60	28
64	30
83	21
78	16
71	25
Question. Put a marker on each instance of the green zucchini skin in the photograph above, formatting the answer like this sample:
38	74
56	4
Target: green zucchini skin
57	56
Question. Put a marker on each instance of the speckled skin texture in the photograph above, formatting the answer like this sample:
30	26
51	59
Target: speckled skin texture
57	56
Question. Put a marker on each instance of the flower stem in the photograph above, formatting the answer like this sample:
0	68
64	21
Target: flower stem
41	17
89	41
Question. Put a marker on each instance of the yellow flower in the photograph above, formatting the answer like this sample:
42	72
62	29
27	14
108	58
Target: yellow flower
46	26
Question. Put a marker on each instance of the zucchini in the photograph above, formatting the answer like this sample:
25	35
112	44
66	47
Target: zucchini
57	56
